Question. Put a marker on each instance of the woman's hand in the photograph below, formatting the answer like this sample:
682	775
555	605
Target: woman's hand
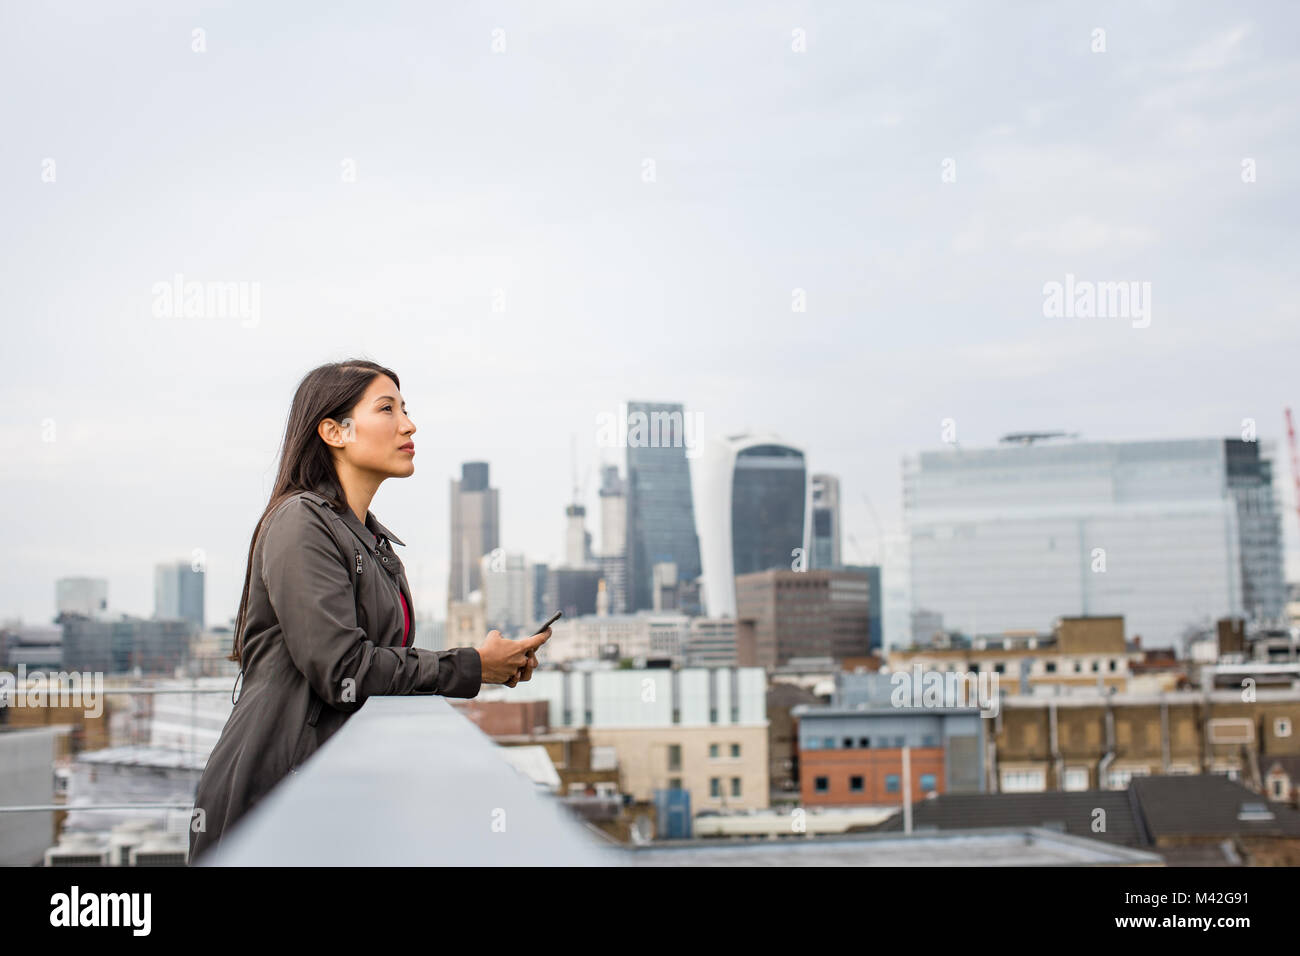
508	662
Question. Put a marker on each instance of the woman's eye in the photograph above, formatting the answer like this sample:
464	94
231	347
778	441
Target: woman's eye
387	408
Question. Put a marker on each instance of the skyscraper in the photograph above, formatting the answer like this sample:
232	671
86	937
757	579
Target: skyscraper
475	528
178	592
1250	481
754	502
613	538
825	522
660	509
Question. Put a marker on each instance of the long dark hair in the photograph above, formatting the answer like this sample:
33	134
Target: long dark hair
330	391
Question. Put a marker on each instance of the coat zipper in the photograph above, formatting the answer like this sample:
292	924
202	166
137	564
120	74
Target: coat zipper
357	552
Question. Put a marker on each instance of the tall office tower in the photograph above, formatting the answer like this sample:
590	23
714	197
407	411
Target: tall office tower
1013	537
1250	480
178	592
85	596
825	522
613	537
475	528
660	509
754	499
577	539
507	591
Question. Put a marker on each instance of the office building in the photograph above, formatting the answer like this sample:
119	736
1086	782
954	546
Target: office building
754	507
825	522
178	592
1006	539
660	503
786	614
475	528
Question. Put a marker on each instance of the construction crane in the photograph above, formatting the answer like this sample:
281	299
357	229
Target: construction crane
1295	458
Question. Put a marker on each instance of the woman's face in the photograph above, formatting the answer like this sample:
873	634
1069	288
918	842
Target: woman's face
374	436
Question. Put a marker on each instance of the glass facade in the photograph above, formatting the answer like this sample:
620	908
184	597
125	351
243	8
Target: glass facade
768	499
1013	537
660	508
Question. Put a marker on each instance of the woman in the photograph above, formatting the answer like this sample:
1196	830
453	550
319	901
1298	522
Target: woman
325	618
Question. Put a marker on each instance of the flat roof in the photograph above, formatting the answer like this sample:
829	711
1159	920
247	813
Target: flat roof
1012	846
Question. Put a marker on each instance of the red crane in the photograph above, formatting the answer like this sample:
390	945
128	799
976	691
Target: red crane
1295	458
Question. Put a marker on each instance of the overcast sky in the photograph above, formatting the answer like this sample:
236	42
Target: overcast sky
643	188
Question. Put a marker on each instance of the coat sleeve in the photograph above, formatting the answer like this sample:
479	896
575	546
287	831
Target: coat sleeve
308	584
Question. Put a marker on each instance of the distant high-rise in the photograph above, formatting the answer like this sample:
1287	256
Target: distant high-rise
1250	481
85	596
660	509
178	592
825	522
577	539
754	498
1170	534
475	528
613	538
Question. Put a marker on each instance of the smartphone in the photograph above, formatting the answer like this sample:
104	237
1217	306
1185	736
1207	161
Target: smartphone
551	620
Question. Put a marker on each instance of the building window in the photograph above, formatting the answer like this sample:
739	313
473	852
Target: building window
848	743
828	743
1023	781
735	750
674	783
1282	727
1279	791
735	786
929	740
928	783
1119	779
1114	664
891	783
1096	666
715	787
864	742
713	751
674	756
1076	778
1000	668
822	784
855	784
1050	667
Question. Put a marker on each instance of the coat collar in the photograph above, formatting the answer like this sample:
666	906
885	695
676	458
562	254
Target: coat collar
371	525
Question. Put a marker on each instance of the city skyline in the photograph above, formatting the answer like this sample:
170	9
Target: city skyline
847	245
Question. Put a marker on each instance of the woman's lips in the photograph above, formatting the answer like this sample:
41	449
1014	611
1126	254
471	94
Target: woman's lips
408	448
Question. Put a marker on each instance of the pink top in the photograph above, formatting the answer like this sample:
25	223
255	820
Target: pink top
406	620
406	611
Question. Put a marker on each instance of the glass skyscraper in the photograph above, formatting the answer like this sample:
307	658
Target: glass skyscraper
1169	534
660	505
754	505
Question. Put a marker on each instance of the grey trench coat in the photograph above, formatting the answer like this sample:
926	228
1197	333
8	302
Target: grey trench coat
323	632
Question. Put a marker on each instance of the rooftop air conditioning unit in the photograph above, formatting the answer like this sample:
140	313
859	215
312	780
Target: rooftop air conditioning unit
161	850
78	849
